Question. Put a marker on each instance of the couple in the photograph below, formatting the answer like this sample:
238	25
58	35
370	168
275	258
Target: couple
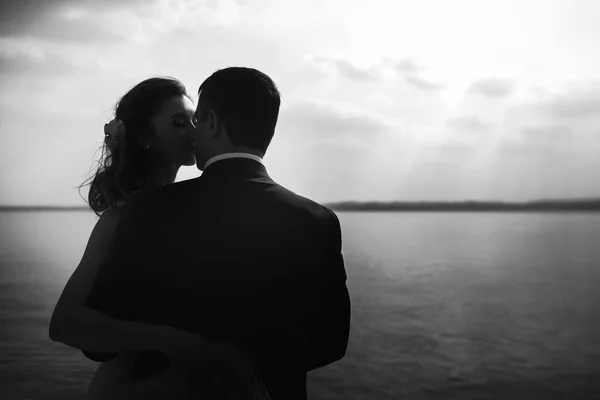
227	286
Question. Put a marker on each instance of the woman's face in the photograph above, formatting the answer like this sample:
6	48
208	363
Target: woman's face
171	139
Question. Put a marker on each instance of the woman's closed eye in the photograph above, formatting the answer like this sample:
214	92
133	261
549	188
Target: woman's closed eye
179	122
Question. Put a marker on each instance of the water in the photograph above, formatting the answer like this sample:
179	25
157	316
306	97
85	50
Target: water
445	306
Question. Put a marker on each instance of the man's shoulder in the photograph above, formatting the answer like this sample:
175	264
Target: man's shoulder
307	206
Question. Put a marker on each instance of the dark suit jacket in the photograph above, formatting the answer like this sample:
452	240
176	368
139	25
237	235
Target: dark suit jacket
233	256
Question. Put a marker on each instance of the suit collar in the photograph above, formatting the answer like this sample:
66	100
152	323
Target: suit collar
226	156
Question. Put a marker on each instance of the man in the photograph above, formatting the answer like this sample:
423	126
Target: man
232	256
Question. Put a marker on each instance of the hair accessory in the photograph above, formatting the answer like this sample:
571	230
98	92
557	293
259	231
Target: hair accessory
114	129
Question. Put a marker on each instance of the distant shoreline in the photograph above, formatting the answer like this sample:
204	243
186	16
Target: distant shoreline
43	208
470	206
587	205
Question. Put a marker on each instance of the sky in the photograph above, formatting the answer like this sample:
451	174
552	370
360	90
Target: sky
381	100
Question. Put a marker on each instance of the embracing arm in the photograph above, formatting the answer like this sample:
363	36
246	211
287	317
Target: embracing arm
82	327
329	327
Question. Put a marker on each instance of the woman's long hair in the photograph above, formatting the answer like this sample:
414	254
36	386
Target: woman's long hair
125	165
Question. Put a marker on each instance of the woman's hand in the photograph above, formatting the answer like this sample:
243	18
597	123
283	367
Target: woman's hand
187	348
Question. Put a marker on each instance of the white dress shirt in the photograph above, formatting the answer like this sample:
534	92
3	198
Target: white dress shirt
232	155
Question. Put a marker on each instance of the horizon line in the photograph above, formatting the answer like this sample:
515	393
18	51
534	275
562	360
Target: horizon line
338	202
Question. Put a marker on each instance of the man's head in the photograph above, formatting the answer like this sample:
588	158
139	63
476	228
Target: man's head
237	111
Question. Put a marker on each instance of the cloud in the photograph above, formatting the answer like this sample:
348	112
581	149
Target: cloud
349	70
530	151
69	20
326	122
406	66
104	23
412	72
55	27
423	84
17	15
451	150
530	170
30	60
409	70
553	133
493	87
381	99
574	105
468	123
569	118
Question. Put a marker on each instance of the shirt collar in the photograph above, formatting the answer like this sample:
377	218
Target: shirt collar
232	155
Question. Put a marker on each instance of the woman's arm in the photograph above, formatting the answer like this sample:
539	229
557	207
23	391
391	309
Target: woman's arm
84	328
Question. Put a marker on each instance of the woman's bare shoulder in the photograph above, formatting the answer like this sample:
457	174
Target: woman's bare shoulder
109	218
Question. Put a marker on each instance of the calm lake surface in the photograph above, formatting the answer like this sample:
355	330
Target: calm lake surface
445	306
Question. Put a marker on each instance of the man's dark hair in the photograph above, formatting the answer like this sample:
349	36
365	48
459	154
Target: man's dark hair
247	102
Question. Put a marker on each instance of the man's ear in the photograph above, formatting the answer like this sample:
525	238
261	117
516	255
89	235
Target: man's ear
214	123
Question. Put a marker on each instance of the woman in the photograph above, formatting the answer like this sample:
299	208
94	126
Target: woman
144	147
